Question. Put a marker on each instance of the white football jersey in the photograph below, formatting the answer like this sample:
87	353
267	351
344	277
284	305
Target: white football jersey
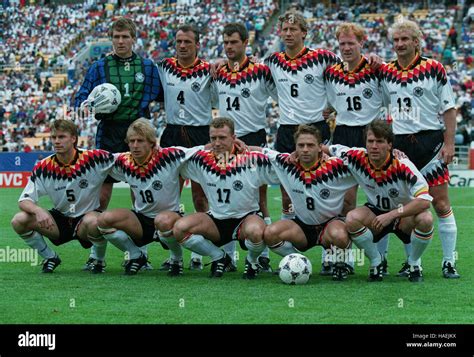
418	94
231	186
355	95
243	95
300	84
74	189
317	193
155	184
395	184
187	92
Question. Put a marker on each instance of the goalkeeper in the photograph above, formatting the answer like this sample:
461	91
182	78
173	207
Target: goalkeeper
139	84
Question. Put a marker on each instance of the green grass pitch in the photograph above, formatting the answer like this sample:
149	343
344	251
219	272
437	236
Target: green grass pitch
73	296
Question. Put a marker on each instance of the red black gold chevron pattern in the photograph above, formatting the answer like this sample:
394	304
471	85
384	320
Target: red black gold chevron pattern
249	71
229	165
420	69
158	160
363	73
198	69
306	58
438	176
392	171
322	171
84	161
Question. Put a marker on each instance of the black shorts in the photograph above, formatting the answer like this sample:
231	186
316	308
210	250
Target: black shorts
313	233
284	137
258	138
350	136
148	228
111	135
421	147
229	230
67	227
184	135
391	228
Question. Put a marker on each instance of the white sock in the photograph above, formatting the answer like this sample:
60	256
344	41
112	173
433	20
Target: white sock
176	251
266	252
364	239
122	241
382	245
195	256
231	250
350	255
448	232
267	220
254	250
99	247
419	242
283	248
198	244
287	214
144	249
36	241
407	248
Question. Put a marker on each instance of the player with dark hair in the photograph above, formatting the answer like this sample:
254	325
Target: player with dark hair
139	84
188	105
419	90
398	200
243	88
71	178
316	187
231	182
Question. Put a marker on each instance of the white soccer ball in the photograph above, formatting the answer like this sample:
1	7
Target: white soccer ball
295	269
104	99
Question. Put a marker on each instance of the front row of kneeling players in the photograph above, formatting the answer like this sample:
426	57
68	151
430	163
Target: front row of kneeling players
398	199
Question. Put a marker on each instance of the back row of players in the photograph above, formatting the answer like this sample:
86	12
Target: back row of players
415	89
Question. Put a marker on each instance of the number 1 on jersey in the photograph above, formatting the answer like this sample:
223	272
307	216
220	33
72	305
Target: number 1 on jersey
127	89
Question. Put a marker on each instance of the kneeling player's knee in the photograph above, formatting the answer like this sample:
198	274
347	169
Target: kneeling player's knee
19	221
90	221
105	220
424	221
254	233
164	222
180	228
339	237
352	220
270	235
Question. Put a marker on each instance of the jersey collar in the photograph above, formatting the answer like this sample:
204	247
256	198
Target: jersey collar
70	163
123	60
147	160
195	63
357	68
413	63
386	164
242	65
303	51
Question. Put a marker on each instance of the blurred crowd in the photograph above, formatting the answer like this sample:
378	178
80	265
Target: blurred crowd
40	41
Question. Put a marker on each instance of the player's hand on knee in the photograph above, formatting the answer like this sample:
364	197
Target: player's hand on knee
44	220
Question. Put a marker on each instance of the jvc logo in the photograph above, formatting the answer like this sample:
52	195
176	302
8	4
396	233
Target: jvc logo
37	340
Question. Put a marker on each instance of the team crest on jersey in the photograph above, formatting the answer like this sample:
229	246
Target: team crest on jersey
245	92
195	87
367	93
418	91
324	193
157	185
393	192
309	78
83	183
237	185
139	77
